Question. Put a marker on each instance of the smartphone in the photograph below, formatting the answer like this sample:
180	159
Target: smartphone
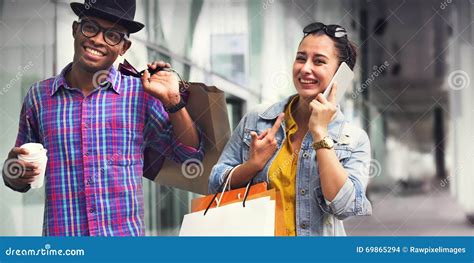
343	78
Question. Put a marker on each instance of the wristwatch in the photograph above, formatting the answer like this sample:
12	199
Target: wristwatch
326	142
176	107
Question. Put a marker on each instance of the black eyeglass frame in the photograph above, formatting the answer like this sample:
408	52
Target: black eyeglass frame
123	35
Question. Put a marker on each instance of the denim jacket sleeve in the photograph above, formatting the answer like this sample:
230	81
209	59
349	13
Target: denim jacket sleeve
351	199
231	157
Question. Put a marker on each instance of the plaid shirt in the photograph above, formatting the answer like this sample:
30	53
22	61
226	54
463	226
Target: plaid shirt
95	148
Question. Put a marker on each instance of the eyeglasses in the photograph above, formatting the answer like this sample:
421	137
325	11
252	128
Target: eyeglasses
91	29
335	31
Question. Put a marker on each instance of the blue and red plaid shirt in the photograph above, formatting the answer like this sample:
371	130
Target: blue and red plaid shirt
95	149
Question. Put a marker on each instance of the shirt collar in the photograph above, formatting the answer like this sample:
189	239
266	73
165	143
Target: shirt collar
289	120
113	77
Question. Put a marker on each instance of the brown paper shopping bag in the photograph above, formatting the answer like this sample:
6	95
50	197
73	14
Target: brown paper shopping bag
207	107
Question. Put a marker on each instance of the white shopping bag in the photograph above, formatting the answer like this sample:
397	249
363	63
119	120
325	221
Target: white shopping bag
254	217
257	218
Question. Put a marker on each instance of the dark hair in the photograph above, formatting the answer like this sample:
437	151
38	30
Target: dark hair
346	50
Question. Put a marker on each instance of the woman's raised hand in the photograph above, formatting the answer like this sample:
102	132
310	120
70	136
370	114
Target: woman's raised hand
263	146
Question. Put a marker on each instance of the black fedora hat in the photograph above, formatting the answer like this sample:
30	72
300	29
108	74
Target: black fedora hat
121	12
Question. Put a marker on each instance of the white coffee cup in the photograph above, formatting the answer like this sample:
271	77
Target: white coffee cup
36	154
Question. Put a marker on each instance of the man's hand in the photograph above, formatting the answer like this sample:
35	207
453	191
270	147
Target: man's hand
162	85
18	173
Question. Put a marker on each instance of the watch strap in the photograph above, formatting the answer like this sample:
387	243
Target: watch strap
173	109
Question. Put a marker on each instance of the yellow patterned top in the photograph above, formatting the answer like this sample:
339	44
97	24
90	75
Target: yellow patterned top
282	172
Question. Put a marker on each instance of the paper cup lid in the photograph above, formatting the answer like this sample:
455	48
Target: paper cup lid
35	150
33	147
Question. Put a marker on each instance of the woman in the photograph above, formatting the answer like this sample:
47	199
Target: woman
303	146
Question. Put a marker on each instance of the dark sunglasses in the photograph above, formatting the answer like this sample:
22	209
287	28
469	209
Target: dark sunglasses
335	31
128	70
111	36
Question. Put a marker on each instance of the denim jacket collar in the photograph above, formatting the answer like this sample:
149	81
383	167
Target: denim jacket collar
334	127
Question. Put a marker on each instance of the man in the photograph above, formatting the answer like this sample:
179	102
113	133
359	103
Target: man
95	123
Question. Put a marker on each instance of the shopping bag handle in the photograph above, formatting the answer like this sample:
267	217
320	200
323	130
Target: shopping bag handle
128	70
247	190
223	185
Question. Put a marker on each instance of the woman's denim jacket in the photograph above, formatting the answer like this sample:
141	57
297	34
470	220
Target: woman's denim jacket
314	214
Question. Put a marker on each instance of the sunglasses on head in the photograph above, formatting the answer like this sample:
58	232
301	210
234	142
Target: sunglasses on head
335	31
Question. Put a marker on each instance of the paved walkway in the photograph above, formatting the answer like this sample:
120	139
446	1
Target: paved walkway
434	213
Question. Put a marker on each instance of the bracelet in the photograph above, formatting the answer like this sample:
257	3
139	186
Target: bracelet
181	104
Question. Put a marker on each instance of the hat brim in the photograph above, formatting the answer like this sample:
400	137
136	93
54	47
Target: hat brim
80	10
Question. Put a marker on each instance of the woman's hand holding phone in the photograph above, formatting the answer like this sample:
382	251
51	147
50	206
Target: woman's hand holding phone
322	112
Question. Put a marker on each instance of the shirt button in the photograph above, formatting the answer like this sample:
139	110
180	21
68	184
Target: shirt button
304	225
303	191
92	210
305	155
